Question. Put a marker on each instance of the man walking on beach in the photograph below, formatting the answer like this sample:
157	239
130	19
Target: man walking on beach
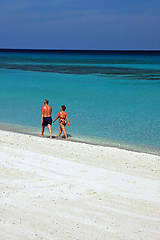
46	119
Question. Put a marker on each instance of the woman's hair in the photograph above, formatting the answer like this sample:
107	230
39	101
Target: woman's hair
63	107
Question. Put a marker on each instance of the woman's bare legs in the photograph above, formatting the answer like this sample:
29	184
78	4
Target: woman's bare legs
60	131
64	130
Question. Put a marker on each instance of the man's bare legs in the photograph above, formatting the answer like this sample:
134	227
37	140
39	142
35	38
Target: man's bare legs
50	131
41	135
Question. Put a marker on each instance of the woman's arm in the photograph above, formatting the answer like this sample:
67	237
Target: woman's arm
56	118
67	118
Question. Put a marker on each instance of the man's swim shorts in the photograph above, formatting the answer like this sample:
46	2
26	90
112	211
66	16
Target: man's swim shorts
46	121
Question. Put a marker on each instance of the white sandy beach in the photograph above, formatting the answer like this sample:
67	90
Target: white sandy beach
62	190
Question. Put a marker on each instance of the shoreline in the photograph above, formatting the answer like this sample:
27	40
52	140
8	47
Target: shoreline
68	190
55	143
133	148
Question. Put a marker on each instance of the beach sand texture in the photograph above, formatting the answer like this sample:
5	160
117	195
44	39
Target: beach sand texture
62	190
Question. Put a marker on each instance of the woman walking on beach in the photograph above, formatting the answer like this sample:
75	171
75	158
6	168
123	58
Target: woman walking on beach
63	116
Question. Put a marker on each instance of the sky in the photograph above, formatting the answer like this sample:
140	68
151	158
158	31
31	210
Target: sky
80	24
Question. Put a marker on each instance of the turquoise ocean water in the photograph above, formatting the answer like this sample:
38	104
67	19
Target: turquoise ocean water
112	98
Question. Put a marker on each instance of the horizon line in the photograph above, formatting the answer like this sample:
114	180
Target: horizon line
87	50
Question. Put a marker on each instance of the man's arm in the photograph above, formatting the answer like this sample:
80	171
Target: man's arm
42	112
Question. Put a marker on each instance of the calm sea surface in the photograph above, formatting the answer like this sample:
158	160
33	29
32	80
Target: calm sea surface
112	98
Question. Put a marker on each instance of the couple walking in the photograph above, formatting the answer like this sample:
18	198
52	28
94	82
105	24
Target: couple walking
46	119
